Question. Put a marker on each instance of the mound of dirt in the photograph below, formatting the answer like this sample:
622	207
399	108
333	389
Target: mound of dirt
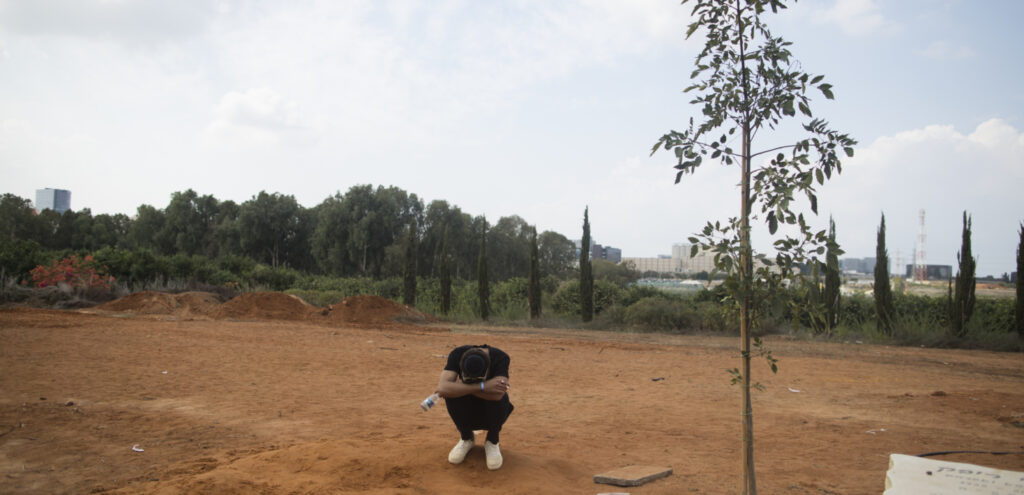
143	303
356	310
266	306
197	303
161	303
374	310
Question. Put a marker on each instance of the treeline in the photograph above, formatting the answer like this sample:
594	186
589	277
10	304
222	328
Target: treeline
360	233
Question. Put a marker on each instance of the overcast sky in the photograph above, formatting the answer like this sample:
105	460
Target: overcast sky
533	108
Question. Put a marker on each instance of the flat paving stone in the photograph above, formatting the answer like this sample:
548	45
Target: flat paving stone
632	475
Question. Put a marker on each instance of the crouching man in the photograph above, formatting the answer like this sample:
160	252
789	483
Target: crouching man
475	386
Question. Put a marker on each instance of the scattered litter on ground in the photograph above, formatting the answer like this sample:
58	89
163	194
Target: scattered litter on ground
136	448
795	391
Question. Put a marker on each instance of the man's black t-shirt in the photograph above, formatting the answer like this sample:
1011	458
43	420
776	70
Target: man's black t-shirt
499	361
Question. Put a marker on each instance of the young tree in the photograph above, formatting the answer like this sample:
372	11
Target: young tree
884	307
586	271
533	289
483	290
963	288
409	285
747	81
446	276
1020	288
832	280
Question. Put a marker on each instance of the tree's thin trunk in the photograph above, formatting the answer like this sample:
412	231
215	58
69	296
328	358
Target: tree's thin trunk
746	276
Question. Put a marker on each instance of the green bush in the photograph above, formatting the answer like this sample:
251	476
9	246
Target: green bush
635	293
239	265
606	294
566	300
274	279
659	313
18	258
508	299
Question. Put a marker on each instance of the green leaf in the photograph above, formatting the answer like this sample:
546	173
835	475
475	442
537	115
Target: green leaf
787	108
773	223
804	109
826	89
849	151
820	176
817	79
814	203
693	249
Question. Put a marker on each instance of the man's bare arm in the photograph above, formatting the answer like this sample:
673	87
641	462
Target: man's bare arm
450	386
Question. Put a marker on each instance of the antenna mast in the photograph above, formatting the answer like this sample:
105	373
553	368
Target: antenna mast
920	266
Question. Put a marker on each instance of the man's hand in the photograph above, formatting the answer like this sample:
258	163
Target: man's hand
497	384
494	389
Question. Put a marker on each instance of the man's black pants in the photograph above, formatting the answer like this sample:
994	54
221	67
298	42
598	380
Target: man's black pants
473	413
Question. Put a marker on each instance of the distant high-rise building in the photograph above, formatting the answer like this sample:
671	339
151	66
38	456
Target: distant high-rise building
58	200
599	252
931	272
858	265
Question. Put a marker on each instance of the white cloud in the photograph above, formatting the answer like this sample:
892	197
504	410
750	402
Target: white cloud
857	17
258	116
944	172
423	70
943	50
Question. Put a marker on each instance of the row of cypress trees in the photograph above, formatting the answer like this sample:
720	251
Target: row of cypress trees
961	298
483	285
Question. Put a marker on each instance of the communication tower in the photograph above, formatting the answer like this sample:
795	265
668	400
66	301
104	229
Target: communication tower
920	266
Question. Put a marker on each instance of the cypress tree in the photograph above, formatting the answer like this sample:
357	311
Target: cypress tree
446	276
1020	289
409	287
586	272
832	280
963	288
533	289
483	290
814	297
884	307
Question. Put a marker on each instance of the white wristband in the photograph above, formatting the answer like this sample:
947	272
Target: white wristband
481	386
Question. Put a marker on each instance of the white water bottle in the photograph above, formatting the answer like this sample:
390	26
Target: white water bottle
430	401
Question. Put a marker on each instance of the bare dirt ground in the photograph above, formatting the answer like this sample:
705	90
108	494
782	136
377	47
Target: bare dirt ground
268	395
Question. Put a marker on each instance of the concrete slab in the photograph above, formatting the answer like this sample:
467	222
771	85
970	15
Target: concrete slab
632	475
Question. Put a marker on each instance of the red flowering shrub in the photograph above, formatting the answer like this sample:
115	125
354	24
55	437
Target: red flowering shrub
73	271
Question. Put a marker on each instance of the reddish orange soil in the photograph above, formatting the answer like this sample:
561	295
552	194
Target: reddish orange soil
265	394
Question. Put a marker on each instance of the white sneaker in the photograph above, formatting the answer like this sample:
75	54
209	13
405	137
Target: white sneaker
493	455
458	453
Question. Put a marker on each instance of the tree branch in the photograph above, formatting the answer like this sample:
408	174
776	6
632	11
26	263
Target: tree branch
773	149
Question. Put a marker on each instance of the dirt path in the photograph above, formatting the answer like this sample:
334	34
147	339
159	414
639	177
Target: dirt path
300	406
